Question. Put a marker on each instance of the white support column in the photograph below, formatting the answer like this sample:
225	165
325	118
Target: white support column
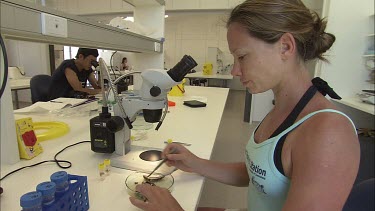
151	18
9	146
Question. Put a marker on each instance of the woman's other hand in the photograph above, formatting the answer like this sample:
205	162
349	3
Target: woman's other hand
157	199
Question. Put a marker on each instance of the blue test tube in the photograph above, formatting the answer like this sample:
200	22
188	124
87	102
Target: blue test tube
60	178
31	201
48	190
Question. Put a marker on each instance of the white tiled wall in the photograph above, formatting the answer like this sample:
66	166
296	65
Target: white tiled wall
193	33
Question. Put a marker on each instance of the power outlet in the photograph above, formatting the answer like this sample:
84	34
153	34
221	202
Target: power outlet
157	47
54	26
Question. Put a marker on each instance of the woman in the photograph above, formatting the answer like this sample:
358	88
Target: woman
124	64
304	155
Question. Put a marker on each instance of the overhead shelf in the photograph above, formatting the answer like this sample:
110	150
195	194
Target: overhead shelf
21	20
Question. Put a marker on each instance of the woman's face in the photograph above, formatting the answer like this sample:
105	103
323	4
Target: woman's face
257	63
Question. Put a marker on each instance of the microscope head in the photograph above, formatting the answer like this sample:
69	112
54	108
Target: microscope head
157	83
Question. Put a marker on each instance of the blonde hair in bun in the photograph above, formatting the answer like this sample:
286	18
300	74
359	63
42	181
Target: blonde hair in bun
269	20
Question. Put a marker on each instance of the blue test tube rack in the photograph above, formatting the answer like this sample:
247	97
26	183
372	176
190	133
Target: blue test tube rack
76	198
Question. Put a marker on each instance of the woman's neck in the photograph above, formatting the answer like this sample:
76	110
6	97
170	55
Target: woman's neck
291	88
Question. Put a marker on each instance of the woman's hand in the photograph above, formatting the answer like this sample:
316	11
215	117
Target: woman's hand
157	199
181	157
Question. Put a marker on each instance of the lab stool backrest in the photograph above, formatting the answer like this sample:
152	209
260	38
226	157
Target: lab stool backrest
39	87
361	197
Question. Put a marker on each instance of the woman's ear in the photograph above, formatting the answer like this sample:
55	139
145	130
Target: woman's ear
287	46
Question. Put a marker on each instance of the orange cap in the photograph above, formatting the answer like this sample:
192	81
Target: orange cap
171	103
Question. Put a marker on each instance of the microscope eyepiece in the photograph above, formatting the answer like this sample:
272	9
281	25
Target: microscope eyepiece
95	64
178	72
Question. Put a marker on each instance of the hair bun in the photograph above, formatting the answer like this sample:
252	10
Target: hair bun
320	41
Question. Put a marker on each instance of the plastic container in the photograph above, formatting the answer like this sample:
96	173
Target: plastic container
60	178
31	201
47	189
107	163
101	168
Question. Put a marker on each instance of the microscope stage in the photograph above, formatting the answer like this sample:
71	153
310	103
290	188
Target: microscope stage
133	161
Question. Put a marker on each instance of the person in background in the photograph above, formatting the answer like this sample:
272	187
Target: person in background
71	76
124	64
305	153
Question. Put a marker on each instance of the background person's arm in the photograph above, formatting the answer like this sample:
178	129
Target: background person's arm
72	78
94	83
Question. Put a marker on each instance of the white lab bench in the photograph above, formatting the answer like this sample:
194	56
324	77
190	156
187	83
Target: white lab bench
197	126
19	84
223	77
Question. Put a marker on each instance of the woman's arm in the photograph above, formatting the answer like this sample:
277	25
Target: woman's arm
161	199
325	159
229	173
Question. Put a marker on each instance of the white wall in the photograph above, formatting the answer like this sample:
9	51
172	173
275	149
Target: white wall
192	33
350	23
34	57
346	73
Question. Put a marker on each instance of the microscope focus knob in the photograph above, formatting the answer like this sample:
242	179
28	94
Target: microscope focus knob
155	91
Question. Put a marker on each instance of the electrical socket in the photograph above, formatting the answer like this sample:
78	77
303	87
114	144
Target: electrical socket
54	26
157	47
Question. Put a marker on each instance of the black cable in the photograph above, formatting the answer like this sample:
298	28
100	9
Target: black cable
55	160
5	66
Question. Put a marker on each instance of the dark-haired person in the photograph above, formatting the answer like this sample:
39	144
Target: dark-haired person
304	155
124	64
72	74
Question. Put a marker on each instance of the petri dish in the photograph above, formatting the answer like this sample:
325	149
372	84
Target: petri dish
137	178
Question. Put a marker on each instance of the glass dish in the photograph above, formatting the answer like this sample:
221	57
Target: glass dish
137	178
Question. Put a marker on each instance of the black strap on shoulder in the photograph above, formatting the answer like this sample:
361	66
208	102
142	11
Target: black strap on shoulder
287	123
296	111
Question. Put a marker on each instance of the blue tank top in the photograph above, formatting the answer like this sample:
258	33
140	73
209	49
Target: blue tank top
268	188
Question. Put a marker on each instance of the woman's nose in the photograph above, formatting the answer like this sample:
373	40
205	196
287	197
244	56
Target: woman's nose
236	70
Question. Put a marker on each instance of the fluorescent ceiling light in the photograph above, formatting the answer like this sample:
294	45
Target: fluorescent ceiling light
130	18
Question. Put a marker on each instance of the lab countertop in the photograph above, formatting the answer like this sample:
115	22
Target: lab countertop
20	83
197	126
212	76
